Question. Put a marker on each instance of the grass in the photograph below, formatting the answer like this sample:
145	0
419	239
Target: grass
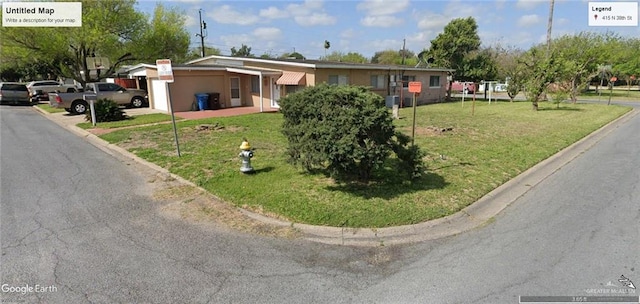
618	94
480	153
50	109
131	121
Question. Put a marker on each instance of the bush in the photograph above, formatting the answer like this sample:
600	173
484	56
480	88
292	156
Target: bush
106	110
344	129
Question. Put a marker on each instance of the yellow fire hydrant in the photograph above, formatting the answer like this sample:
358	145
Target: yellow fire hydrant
246	154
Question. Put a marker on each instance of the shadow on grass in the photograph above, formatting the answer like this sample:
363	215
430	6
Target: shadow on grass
261	170
561	108
388	189
386	183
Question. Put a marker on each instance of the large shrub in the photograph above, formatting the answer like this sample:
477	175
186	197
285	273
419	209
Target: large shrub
345	129
106	110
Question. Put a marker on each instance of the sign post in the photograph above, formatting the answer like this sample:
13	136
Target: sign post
92	99
414	87
165	72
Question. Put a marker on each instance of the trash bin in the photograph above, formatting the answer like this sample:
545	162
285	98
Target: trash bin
392	100
203	99
214	101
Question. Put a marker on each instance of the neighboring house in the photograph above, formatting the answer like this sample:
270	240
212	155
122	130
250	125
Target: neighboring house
260	83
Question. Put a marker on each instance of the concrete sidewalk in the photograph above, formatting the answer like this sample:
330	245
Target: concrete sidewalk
471	217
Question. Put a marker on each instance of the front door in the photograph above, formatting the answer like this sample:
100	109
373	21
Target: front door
275	95
235	92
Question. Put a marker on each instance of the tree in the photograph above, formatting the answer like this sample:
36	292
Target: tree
243	51
343	129
628	63
480	65
395	57
352	57
194	53
112	29
168	40
294	55
449	48
508	69
539	70
577	58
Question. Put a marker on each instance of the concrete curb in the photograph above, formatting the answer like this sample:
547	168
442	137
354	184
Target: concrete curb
473	216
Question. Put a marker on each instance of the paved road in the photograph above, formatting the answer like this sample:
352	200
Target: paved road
81	225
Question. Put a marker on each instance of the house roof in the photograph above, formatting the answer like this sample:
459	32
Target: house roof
315	64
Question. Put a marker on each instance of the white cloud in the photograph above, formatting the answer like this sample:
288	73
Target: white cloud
528	4
273	13
227	15
267	33
528	20
348	33
381	21
237	40
500	4
383	7
305	8
315	19
433	22
190	21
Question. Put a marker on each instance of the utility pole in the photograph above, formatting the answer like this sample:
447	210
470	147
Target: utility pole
203	26
549	25
403	50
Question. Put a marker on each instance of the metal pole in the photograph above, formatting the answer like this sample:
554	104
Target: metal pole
201	35
173	118
413	130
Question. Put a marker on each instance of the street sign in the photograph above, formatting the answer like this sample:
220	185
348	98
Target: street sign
165	72
415	87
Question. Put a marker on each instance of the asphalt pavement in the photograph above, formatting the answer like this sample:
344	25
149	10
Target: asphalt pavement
78	225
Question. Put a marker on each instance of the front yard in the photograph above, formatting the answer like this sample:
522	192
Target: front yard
472	156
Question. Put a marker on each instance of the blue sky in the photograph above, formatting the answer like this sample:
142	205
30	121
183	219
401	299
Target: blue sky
276	27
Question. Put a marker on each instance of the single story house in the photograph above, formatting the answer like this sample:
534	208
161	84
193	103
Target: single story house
260	83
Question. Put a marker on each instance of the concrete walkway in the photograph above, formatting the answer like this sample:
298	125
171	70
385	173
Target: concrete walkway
222	112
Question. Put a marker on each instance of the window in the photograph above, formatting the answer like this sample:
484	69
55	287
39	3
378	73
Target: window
293	88
434	81
338	79
109	87
406	80
378	81
255	84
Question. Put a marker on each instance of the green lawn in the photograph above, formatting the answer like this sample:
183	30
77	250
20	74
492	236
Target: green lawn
478	154
131	121
49	108
618	94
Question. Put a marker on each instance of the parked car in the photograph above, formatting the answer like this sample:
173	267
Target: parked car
467	87
14	93
77	104
50	86
39	96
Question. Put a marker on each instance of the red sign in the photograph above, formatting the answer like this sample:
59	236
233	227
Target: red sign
415	87
614	79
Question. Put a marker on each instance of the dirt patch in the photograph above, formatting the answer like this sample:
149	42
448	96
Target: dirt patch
197	206
99	131
431	130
